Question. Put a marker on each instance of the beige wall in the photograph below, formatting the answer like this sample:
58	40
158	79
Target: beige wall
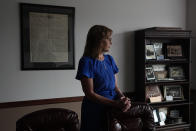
9	116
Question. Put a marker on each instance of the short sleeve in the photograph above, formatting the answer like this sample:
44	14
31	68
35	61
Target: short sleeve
114	66
85	68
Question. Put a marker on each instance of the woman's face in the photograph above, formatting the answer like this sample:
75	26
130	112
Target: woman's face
106	43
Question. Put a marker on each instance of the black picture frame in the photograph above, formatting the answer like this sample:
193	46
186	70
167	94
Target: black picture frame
176	72
52	48
150	52
150	74
174	51
176	91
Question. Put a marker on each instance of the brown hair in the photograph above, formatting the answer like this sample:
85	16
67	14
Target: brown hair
93	40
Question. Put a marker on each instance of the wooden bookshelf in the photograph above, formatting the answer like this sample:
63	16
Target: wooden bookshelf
163	61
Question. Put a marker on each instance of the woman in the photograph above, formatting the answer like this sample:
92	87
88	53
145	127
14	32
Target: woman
97	73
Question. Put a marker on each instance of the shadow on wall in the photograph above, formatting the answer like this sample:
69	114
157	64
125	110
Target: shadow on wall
193	64
123	45
193	80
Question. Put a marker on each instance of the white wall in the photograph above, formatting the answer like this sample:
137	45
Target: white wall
123	16
191	25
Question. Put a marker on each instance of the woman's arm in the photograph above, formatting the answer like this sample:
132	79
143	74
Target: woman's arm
118	91
125	100
87	86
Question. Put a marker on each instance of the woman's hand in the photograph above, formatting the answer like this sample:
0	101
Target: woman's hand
126	102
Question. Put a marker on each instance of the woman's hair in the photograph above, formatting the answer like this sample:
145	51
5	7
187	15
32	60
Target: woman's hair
93	40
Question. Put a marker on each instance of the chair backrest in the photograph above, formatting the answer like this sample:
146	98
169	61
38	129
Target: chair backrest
51	119
138	118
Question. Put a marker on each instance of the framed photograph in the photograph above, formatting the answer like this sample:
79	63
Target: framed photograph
150	73
176	72
47	37
176	91
153	91
160	115
174	113
175	116
155	115
150	52
160	71
160	75
158	50
174	51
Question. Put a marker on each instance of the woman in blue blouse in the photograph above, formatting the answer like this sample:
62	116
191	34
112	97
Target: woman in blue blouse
97	73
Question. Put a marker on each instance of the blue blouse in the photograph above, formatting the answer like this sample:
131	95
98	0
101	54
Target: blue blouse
102	73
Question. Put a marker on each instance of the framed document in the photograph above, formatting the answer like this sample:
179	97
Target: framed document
47	37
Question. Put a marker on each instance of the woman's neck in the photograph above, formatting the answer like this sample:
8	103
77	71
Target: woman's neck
100	57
